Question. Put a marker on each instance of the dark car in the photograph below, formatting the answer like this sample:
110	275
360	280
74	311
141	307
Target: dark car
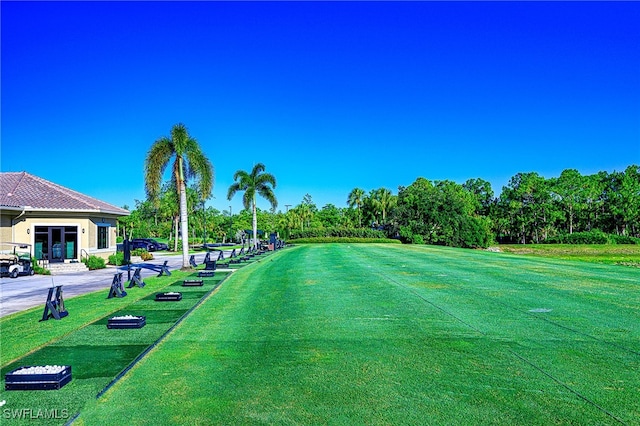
158	244
143	243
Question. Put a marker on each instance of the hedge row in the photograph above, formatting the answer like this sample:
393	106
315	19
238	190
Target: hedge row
344	240
591	237
337	232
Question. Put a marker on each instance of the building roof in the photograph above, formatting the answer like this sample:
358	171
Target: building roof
28	192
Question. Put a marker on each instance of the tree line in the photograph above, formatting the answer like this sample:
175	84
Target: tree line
603	207
530	209
534	209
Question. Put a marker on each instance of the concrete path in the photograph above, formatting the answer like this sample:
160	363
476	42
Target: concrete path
18	294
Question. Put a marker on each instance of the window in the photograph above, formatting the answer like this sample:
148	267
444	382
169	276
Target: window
103	237
70	242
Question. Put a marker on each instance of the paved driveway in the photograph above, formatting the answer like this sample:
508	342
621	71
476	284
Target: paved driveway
18	294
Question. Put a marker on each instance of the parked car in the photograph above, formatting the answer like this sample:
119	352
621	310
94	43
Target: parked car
142	243
158	244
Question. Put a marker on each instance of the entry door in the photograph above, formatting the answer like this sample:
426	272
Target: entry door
56	244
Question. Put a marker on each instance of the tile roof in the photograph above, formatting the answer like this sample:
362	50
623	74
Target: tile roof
23	190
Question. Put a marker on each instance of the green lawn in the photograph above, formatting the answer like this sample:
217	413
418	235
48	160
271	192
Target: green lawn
96	354
388	334
623	254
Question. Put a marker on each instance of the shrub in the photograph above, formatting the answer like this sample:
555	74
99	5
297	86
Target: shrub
587	237
39	269
417	239
171	244
623	239
142	253
95	262
474	232
117	259
145	255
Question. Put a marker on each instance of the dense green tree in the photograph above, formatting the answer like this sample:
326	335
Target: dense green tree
569	189
134	225
524	200
631	193
441	213
623	196
243	225
483	192
189	162
533	208
255	183
329	216
593	198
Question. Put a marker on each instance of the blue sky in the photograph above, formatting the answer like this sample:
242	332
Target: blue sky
329	96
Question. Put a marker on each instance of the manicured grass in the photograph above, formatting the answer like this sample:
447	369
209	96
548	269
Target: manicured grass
22	332
96	354
623	254
388	334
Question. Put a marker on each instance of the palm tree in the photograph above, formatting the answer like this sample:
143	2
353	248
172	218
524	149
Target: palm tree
293	219
355	199
189	162
255	183
386	201
304	213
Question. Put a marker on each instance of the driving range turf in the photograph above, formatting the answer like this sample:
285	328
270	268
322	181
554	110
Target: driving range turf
370	334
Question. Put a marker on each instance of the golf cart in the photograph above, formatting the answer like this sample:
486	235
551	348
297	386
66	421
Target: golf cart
16	261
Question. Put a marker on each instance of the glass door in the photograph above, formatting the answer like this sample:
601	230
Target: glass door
56	244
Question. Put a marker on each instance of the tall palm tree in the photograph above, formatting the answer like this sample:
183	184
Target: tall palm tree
255	183
304	213
355	199
189	162
386	201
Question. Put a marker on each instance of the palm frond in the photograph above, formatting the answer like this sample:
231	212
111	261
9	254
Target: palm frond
156	163
248	197
268	194
180	137
241	176
264	179
235	187
257	170
199	165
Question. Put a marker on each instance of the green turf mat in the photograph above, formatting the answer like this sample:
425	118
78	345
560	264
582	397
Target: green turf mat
97	354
